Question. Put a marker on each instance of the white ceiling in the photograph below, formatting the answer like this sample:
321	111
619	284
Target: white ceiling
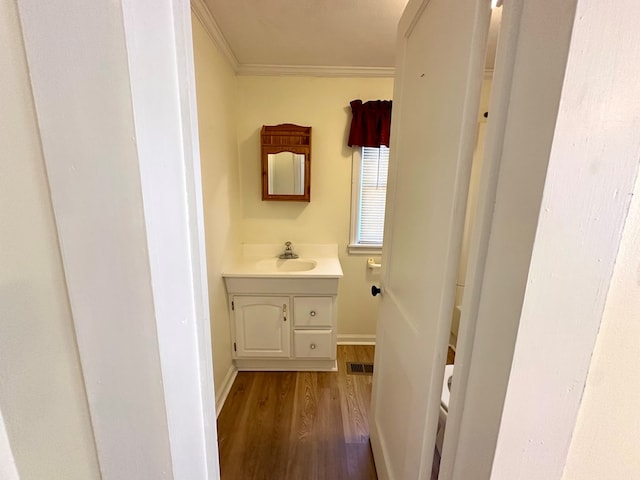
358	34
345	33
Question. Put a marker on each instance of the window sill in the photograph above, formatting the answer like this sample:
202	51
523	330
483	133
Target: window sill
357	249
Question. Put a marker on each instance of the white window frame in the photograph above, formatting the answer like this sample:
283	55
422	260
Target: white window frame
356	191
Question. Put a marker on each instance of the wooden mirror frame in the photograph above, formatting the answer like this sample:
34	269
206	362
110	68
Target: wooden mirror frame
286	138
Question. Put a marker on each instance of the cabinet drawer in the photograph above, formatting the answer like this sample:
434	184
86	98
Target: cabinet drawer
312	311
313	344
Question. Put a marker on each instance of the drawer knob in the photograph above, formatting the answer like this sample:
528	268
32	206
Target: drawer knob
312	313
313	346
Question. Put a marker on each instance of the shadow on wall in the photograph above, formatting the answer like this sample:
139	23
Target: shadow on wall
41	388
346	149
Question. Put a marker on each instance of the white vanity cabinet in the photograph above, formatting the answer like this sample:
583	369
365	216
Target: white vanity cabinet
283	332
283	311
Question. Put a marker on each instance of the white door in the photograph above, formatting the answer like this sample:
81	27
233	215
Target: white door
262	326
438	81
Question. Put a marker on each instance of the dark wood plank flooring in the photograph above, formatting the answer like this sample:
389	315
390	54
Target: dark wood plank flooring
299	425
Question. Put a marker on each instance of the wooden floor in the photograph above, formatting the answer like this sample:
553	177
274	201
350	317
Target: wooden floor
298	425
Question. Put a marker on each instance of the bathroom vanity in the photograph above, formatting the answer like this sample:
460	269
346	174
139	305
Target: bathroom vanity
284	311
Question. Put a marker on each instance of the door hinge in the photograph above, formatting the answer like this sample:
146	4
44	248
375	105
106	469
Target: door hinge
234	347
233	306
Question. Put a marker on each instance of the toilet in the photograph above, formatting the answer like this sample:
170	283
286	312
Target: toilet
444	406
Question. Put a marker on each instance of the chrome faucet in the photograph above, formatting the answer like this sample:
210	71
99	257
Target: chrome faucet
288	251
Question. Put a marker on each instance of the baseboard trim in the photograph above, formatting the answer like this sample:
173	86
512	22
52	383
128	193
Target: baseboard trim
225	388
285	365
350	339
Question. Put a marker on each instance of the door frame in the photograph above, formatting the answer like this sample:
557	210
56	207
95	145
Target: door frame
517	76
538	217
510	193
123	168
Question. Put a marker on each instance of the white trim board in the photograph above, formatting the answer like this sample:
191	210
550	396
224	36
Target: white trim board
8	467
225	388
285	365
356	339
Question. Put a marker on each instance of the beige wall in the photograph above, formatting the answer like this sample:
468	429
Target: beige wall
216	96
42	398
605	442
323	104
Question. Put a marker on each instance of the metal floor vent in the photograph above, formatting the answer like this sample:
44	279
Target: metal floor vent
354	368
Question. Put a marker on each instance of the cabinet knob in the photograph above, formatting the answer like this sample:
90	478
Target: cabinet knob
313	346
312	313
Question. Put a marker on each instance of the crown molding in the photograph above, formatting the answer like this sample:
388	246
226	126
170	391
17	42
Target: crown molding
202	12
315	71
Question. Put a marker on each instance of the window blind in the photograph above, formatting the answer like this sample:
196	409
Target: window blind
373	192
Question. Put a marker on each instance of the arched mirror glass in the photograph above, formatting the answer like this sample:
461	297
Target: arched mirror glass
286	173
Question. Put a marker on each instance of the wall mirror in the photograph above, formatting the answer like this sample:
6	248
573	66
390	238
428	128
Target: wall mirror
286	162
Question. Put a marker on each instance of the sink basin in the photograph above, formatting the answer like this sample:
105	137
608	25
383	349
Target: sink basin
288	265
259	268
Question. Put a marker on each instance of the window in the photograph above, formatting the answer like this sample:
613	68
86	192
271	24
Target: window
368	192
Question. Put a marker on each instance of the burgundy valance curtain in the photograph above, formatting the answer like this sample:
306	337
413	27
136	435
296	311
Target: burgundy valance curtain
370	123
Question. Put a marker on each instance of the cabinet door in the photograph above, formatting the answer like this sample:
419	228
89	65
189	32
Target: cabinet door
262	326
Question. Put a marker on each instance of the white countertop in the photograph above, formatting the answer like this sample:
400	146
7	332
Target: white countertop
324	255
